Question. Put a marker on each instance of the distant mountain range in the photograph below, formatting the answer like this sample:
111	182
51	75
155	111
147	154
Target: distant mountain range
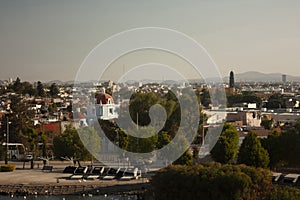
250	76
58	82
253	76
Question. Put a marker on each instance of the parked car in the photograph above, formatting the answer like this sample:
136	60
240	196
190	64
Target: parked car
29	157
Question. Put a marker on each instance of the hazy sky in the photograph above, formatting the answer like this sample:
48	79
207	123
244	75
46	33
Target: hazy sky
48	40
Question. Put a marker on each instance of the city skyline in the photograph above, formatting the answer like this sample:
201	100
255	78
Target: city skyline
47	41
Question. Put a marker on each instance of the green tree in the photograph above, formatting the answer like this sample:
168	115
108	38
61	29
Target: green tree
295	128
252	153
91	140
178	145
276	101
245	97
273	144
205	97
32	138
69	144
28	89
280	146
35	138
250	97
2	152
267	123
226	148
185	159
53	90
288	148
163	139
140	104
20	118
2	90
122	139
17	86
142	143
110	129
52	108
40	89
233	99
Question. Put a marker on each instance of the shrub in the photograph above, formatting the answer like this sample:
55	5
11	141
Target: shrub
7	168
284	193
216	181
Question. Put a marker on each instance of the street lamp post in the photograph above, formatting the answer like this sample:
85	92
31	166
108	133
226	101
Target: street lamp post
7	139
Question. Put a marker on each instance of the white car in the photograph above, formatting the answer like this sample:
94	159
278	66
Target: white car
29	157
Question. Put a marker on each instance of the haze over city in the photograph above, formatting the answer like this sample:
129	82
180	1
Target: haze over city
48	40
149	99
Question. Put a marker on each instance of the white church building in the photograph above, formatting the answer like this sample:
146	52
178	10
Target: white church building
105	107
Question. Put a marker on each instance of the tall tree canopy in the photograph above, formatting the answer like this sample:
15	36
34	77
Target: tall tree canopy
276	101
226	148
20	118
53	90
69	143
280	146
252	153
40	89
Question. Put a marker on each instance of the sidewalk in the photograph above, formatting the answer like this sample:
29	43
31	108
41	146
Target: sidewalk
37	182
32	181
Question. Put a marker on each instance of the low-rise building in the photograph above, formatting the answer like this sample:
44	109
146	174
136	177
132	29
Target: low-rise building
247	117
